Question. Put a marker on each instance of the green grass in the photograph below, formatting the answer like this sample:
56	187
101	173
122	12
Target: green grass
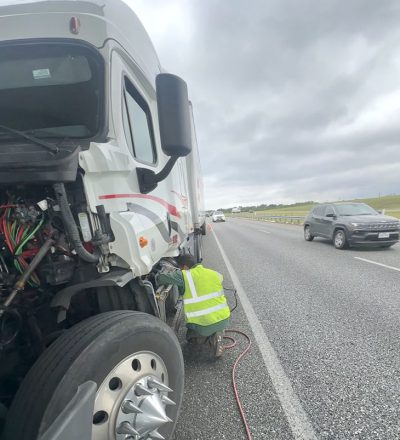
391	205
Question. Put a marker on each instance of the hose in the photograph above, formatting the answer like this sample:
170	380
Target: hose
234	385
236	363
70	225
13	314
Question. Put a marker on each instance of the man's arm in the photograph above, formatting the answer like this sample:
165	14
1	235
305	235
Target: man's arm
171	277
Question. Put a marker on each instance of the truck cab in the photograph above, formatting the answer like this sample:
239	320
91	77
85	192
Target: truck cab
100	187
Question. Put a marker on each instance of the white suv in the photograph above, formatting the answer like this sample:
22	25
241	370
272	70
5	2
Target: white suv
218	216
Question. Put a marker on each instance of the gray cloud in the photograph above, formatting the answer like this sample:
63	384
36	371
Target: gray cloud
293	99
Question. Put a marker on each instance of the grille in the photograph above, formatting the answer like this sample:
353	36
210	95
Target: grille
381	226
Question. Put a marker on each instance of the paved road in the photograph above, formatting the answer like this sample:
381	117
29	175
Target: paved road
325	363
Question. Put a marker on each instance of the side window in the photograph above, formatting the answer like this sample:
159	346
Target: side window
322	211
318	211
329	210
138	125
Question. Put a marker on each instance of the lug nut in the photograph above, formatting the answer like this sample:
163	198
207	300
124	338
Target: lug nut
128	407
153	383
126	428
140	390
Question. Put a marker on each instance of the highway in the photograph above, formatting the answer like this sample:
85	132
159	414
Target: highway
325	361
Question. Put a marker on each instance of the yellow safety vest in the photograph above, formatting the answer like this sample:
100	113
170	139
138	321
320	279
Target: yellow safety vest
204	302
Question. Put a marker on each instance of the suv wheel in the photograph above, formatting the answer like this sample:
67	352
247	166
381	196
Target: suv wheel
307	234
339	239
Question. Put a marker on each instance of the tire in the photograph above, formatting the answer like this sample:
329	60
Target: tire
92	350
307	234
339	239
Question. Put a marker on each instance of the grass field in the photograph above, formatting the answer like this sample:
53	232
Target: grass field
391	205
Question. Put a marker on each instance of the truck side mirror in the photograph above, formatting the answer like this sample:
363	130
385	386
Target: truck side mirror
173	115
175	128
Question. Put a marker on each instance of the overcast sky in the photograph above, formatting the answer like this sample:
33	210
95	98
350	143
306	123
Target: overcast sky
294	100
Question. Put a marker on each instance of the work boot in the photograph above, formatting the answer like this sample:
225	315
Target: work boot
217	344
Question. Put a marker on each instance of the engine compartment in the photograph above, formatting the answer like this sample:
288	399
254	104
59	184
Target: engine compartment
50	242
31	228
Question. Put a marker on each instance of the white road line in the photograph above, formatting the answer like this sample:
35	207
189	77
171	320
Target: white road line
265	232
378	264
291	405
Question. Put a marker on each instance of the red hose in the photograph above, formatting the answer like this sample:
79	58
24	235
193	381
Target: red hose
235	390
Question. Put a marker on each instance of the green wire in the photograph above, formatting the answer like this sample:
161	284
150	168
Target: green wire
26	236
20	270
25	233
13	226
23	243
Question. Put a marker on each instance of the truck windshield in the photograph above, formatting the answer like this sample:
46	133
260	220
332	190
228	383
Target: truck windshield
51	90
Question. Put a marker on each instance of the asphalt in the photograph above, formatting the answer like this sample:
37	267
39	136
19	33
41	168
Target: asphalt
333	322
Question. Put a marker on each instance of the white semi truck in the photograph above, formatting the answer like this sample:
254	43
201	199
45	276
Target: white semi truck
100	187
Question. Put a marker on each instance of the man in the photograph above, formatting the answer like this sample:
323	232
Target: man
204	303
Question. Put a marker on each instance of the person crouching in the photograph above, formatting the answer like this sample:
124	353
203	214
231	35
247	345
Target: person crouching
204	304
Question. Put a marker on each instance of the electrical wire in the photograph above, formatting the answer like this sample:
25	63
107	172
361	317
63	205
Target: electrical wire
16	238
30	236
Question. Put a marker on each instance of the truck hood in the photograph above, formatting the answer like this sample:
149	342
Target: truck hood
369	219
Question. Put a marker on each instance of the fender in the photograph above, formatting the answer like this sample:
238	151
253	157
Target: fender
341	226
63	298
75	421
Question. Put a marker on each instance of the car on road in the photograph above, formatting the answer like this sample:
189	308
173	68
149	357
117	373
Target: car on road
351	224
218	216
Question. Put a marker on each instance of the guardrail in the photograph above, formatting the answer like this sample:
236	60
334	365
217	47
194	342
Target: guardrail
288	219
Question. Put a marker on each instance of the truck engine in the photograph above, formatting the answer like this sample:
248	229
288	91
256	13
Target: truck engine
38	255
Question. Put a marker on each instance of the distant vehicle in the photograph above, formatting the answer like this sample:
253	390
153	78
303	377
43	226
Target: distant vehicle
235	210
218	216
351	224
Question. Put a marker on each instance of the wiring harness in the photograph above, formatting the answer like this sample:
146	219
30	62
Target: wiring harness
20	239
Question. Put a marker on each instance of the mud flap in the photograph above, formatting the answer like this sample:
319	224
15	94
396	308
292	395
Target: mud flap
75	421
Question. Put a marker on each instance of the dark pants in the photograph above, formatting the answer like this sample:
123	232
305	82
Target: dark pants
194	337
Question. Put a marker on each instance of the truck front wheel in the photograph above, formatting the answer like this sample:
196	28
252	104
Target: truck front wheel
137	363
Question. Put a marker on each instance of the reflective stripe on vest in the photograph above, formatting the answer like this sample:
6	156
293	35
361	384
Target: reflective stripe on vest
198	299
206	311
192	287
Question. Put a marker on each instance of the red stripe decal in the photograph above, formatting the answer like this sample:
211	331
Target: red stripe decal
170	208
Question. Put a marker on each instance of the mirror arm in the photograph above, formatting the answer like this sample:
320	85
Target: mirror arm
148	179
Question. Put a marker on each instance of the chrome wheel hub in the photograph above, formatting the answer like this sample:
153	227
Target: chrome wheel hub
131	402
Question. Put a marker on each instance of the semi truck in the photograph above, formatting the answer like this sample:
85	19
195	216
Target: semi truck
100	188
